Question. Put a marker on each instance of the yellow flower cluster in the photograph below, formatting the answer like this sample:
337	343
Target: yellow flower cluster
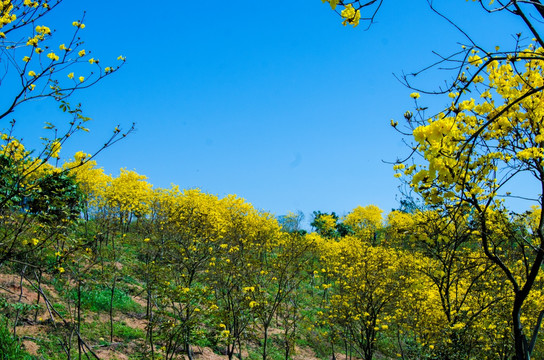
6	15
30	3
43	30
350	15
54	149
53	56
78	25
514	129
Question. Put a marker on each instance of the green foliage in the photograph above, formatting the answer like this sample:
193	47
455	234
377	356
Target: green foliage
9	309
53	196
10	348
327	225
56	197
9	184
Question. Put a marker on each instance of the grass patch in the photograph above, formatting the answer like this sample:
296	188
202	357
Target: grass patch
99	299
61	309
100	332
126	332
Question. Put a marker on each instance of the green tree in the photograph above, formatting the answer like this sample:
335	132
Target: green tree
327	225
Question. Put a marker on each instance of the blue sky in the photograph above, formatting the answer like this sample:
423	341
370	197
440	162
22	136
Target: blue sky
275	102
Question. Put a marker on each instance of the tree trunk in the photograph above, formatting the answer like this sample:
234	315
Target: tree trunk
520	341
265	342
111	307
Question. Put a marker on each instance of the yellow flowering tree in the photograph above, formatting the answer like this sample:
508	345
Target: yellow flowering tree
91	180
365	284
399	228
466	282
476	150
188	225
128	196
279	270
365	222
239	271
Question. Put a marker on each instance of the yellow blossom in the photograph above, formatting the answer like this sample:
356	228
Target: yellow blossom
32	41
43	30
350	15
53	56
55	149
475	60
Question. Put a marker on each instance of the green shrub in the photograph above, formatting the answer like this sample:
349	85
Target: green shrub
10	349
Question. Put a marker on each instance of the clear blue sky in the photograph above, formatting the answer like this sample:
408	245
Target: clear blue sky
276	102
